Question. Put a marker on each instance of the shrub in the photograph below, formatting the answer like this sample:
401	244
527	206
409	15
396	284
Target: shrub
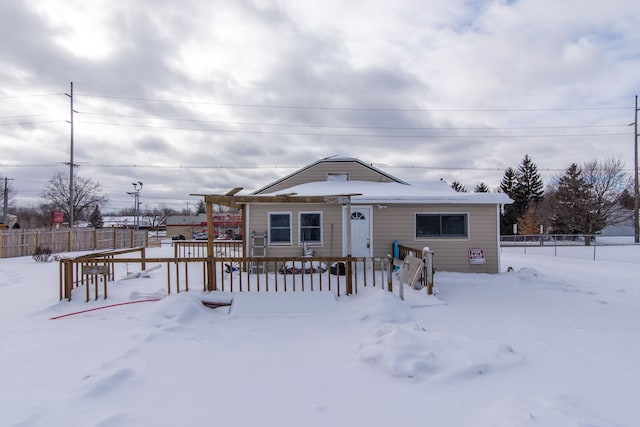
41	254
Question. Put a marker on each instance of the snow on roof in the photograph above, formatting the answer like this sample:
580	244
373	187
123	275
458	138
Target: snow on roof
395	193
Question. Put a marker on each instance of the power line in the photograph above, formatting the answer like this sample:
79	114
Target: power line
258	132
31	96
241	167
32	123
380	109
311	125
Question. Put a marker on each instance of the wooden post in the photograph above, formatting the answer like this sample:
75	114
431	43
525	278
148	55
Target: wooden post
427	257
132	240
144	258
60	273
211	286
348	277
68	282
115	238
390	273
70	244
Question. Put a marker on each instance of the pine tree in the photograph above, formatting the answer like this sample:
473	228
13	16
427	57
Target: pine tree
525	188
528	187
571	201
458	187
481	188
510	216
508	183
95	218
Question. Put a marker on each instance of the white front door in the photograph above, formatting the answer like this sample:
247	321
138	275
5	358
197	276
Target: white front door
360	231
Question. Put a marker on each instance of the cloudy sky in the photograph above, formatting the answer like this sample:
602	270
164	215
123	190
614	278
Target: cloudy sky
203	96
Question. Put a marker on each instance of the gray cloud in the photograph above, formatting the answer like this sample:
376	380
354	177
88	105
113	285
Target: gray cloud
206	96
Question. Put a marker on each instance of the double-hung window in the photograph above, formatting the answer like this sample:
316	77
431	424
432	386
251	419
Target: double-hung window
310	227
440	225
279	228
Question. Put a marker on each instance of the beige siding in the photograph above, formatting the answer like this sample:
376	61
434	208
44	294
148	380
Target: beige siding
319	171
397	222
331	228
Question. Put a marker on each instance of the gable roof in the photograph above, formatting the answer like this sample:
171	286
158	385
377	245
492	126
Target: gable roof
330	159
434	192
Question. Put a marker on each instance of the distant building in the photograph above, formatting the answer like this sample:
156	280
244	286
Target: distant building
189	226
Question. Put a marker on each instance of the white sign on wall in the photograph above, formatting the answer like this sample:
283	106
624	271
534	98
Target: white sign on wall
476	256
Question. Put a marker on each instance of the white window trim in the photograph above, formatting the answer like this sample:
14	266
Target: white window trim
300	243
290	242
459	238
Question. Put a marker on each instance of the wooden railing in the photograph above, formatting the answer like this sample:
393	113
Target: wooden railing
92	270
198	248
342	275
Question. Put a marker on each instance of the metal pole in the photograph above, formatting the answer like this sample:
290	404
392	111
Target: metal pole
5	213
636	202
71	195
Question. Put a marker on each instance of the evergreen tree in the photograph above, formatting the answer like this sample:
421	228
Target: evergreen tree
508	183
571	201
201	207
588	198
481	188
525	188
458	187
510	215
95	218
528	187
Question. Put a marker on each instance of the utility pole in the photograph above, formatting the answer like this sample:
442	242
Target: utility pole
636	196
71	163
137	186
5	199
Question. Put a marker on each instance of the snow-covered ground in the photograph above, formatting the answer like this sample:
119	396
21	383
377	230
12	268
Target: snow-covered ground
555	343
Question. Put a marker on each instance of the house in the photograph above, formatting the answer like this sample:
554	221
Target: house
188	226
340	205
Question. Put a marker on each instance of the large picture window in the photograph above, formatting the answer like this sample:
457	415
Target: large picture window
442	225
310	227
280	228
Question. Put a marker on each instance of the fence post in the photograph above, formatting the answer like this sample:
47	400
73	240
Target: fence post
68	280
349	289
390	273
95	239
429	273
115	238
70	245
132	244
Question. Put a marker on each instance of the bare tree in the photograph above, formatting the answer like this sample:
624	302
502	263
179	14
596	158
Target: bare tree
87	195
588	198
609	184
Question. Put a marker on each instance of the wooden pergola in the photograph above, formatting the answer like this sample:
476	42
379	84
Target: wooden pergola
232	200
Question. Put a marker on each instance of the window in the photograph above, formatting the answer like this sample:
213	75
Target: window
279	228
442	225
310	227
337	176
